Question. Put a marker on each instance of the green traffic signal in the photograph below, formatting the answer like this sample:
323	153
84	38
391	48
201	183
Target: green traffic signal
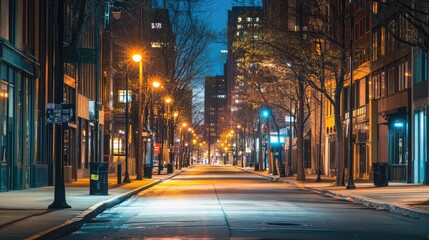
265	113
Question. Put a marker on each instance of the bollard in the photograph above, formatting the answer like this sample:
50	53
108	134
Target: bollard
119	173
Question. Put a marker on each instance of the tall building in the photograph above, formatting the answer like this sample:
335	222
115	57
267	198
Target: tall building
215	107
243	21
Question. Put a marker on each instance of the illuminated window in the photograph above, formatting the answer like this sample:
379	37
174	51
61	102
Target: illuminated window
122	96
382	41
375	7
249	19
156	44
117	146
239	19
374	46
156	25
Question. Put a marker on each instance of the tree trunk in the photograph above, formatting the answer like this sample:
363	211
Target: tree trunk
300	176
337	99
339	151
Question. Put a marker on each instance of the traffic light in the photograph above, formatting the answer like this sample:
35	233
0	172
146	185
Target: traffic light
265	113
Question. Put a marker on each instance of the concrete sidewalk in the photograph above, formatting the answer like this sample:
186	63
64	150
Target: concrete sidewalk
24	214
407	199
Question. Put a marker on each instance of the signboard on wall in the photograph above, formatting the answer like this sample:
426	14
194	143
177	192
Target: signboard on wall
58	113
157	148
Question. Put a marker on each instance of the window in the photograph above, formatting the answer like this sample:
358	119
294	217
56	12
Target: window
374	46
403	76
378	85
249	19
239	19
361	92
391	81
403	29
370	88
425	66
375	7
156	44
391	40
382	41
4	19
156	25
122	96
257	19
239	26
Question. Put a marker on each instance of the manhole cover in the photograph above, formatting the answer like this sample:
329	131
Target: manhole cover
283	224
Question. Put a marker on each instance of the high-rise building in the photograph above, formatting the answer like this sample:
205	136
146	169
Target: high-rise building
215	107
243	21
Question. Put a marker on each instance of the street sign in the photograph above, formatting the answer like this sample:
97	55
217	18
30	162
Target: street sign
67	112
53	113
58	113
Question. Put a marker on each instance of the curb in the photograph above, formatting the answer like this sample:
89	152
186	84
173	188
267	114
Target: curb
405	211
75	223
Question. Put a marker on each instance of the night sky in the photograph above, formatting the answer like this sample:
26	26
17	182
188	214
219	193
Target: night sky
219	18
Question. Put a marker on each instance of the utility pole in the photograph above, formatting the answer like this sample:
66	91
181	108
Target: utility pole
59	194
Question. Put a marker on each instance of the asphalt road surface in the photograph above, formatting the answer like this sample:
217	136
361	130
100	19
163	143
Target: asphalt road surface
216	202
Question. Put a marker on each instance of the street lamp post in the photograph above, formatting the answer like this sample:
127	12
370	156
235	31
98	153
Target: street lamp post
127	175
155	84
236	144
161	155
266	115
173	144
289	160
138	58
182	142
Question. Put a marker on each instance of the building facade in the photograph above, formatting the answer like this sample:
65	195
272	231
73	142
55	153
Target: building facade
29	43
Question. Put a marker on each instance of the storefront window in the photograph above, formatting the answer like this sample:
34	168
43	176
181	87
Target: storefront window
4	94
4	19
420	151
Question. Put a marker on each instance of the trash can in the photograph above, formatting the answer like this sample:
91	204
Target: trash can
170	168
147	170
98	184
256	166
119	173
282	169
380	174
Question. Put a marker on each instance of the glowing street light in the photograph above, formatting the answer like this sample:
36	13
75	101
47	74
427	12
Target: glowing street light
138	58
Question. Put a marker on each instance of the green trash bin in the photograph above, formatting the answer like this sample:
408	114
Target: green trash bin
99	182
147	170
256	166
170	168
380	174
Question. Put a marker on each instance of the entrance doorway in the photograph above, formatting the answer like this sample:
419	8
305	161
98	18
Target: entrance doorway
398	151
